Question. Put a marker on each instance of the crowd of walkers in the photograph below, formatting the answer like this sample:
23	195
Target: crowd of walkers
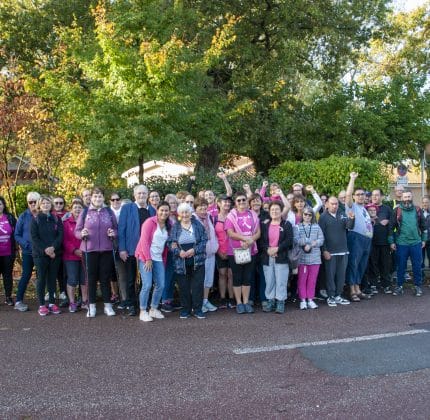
224	252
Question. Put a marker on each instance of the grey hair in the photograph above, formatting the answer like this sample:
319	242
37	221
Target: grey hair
136	187
184	207
33	195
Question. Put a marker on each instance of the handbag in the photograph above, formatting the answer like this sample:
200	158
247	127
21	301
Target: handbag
242	256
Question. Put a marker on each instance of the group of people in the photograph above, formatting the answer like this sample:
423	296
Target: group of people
260	247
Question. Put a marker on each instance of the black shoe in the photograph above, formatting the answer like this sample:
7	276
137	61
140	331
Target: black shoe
122	305
132	311
8	301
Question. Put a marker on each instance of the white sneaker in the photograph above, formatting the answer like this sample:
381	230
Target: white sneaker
155	313
21	307
341	301
109	310
209	307
303	304
62	296
144	316
91	310
312	304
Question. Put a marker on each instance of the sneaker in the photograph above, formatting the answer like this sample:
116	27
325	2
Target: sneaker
222	304
176	306
398	291
312	304
341	301
8	301
184	315
209	307
54	309
240	308
64	300
408	277
144	316
155	313
199	315
374	290
248	308
91	310
231	304
122	305
303	304
167	306
73	307
114	299
267	305
108	310
387	290
251	302
418	291
323	293
331	302
43	311
84	305
280	307
131	311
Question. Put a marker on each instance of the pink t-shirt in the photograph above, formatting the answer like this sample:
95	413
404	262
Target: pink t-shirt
246	226
222	237
213	210
273	235
5	236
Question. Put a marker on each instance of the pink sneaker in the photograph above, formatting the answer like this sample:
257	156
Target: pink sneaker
43	311
54	309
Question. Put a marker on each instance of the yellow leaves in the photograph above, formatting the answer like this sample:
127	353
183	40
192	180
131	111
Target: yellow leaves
246	106
223	38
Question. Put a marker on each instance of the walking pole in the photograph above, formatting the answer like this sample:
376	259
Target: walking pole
112	238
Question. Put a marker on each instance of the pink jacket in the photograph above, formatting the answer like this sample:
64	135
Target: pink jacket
70	242
143	248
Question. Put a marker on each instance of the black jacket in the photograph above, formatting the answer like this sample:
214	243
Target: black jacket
334	230
46	231
286	239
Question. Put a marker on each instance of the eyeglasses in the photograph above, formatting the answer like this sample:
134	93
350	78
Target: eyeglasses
115	199
359	194
58	203
31	202
240	200
307	214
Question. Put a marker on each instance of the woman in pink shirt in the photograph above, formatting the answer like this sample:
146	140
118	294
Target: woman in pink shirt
7	249
151	253
72	258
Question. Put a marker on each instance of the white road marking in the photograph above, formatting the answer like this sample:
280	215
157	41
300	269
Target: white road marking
248	350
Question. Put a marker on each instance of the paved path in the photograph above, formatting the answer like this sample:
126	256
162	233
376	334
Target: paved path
70	366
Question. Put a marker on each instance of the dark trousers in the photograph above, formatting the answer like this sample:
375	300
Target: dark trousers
379	266
335	269
62	278
127	280
243	274
6	269
100	266
191	287
426	251
46	270
27	270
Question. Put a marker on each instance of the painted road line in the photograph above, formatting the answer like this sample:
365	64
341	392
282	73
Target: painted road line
248	350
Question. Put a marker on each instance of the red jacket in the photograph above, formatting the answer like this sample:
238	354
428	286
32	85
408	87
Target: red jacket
70	242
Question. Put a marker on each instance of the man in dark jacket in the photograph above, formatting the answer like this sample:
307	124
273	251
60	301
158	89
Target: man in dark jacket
334	224
408	235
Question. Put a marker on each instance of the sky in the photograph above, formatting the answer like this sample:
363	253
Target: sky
407	5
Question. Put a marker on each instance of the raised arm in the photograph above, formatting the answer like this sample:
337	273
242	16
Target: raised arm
227	185
350	188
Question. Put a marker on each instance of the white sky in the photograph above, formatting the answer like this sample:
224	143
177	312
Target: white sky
407	5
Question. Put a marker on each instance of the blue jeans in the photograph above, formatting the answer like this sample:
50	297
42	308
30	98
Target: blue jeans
156	276
27	270
169	284
359	251
403	252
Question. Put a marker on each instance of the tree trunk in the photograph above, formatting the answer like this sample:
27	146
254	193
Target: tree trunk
141	170
208	159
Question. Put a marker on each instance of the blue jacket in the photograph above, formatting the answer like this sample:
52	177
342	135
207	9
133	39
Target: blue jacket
199	247
128	228
22	231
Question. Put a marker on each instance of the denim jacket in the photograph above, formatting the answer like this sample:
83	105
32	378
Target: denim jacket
199	246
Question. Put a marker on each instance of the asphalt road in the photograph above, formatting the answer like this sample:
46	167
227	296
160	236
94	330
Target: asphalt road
68	366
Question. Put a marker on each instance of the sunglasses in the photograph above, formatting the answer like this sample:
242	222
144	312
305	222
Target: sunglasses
31	202
240	200
58	203
307	214
114	199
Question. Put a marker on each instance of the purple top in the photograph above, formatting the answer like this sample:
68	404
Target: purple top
97	221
